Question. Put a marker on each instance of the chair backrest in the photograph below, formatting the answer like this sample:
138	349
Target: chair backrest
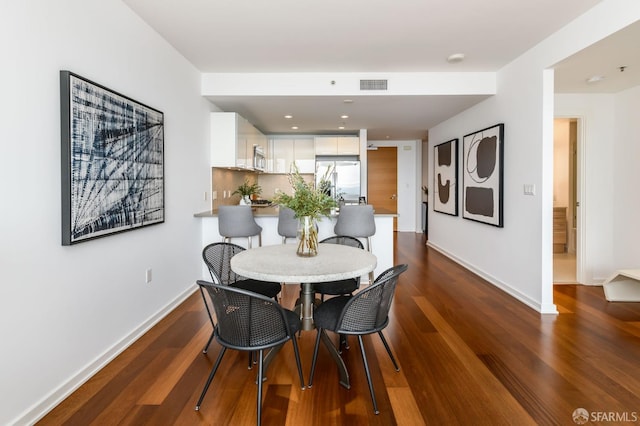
287	222
246	320
343	240
237	221
217	257
356	220
368	310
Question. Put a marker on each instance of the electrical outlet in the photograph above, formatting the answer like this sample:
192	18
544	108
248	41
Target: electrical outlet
148	275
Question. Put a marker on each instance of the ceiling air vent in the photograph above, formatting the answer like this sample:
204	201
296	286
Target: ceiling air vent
373	84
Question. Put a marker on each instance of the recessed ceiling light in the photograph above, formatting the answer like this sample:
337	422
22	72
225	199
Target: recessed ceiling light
294	127
595	79
341	127
455	58
344	116
288	116
348	101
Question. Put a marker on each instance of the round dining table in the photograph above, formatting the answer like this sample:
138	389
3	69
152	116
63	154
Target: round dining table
280	263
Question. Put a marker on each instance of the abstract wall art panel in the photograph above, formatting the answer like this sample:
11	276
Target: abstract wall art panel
482	175
112	161
445	176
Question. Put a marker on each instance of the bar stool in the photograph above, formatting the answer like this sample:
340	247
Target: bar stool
238	222
287	223
357	221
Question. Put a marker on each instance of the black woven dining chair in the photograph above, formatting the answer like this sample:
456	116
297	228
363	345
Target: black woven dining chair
366	312
340	287
217	257
251	322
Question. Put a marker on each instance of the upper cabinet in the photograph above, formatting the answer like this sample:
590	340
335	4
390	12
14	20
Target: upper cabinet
304	155
232	140
284	152
337	145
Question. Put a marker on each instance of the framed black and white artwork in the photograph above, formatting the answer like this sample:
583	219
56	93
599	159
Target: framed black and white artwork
112	161
482	175
445	177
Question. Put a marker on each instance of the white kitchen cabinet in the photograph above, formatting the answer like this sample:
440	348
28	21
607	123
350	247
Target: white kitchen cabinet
348	145
337	145
232	140
283	152
282	155
326	145
304	155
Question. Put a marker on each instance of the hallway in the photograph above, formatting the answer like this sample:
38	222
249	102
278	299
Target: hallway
564	268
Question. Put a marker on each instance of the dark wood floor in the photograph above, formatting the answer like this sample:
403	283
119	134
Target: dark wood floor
468	353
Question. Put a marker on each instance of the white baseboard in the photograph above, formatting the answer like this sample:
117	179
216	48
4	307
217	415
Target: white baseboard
41	408
515	293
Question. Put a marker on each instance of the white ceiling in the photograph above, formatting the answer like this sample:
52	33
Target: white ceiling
604	59
285	36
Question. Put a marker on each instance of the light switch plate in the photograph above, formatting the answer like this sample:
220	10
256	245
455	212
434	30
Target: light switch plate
529	189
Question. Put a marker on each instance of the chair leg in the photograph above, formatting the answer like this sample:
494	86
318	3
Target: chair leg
260	387
315	357
296	351
344	343
206	347
206	305
213	373
249	241
386	345
366	370
371	277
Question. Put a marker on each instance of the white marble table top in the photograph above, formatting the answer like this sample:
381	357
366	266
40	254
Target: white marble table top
280	263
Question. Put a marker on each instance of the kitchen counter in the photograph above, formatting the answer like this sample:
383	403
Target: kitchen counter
267	218
272	211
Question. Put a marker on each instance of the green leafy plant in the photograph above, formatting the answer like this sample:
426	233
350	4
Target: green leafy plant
325	186
248	188
307	200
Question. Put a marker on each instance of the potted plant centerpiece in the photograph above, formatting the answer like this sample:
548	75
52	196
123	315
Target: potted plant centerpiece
309	204
246	190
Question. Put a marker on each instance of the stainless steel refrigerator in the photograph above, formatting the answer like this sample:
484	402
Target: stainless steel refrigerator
343	178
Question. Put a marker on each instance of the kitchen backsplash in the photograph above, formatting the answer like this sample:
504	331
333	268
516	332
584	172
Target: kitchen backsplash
225	180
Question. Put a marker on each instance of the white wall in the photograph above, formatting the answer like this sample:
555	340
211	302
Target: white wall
626	175
65	311
409	177
517	258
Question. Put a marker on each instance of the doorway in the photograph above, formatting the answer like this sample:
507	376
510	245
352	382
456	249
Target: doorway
565	201
382	180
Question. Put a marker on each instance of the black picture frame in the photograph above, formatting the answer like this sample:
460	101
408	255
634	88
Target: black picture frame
112	161
483	176
445	177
